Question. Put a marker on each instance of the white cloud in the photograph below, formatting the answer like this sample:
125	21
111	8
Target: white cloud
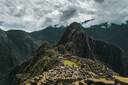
31	15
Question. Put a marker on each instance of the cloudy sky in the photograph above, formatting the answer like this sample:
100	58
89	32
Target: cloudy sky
31	15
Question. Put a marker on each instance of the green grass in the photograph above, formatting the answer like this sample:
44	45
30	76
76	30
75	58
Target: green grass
28	84
71	63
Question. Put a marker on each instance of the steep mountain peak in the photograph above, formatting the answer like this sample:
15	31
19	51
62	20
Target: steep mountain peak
73	33
74	28
75	25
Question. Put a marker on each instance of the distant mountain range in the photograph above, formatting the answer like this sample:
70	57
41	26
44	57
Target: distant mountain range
51	34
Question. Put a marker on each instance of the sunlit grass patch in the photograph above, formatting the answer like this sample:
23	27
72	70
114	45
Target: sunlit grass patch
71	63
28	84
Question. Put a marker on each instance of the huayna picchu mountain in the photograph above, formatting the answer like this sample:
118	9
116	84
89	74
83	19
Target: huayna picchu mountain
79	43
77	59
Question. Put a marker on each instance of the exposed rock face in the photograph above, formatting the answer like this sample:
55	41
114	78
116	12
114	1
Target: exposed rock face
78	43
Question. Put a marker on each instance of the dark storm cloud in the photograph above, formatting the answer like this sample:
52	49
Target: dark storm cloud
87	11
99	1
112	11
47	21
68	13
